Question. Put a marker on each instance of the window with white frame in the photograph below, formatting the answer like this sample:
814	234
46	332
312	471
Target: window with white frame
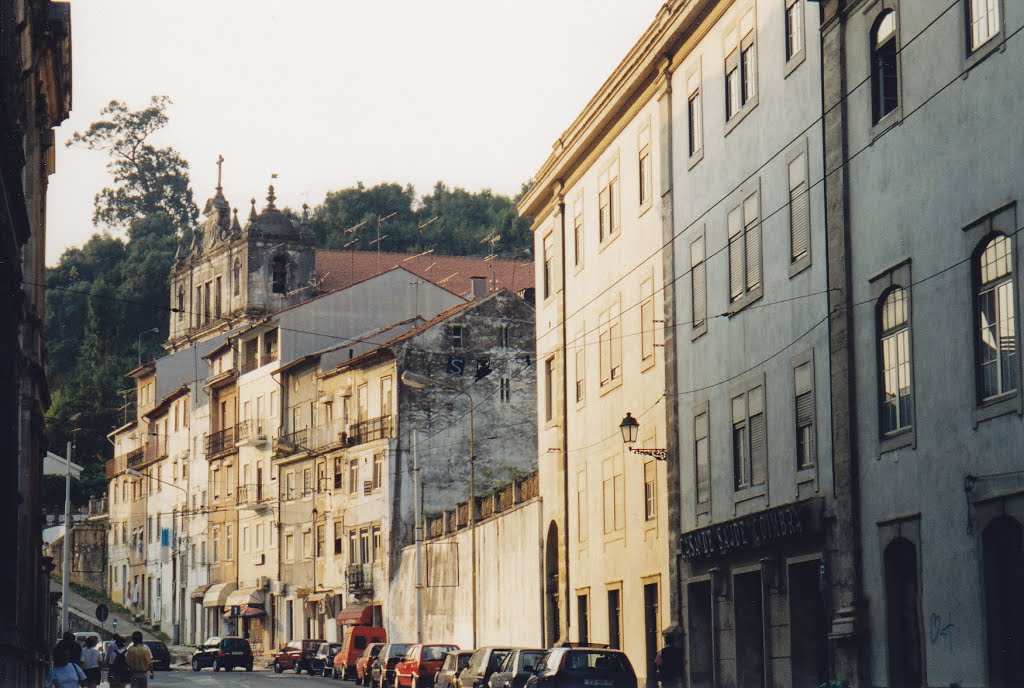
741	67
644	176
701	459
608	202
749	439
577	231
378	471
803	394
581	368
610	346
794	28
983	17
650	492
744	226
696	114
581	505
647	320
884	66
549	389
548	275
997	330
613	496
895	395
799	210
698	285
353	476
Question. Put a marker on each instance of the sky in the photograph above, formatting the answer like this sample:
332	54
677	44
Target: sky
326	93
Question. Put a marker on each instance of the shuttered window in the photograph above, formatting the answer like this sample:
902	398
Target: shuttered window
610	345
799	211
803	387
581	369
701	459
698	284
750	440
744	227
647	320
650	496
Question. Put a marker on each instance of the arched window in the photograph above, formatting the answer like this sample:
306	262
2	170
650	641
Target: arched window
895	374
236	277
1002	544
902	616
997	330
181	303
279	274
884	78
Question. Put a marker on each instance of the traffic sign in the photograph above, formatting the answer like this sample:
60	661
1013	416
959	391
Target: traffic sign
102	612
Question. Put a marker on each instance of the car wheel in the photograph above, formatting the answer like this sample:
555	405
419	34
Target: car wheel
297	668
278	669
196	666
216	665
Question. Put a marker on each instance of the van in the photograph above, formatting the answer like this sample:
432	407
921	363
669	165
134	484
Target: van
352	645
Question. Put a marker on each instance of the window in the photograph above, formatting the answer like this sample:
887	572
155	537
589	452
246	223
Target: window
698	285
647	321
307	544
983	16
236	277
610	346
644	180
741	68
701	459
549	266
745	249
258	540
339	475
549	389
375	551
290	485
884	78
218	291
803	392
799	210
749	439
364	545
794	28
457	336
895	395
613	496
581	506
339	537
386	391
608	202
997	331
181	303
577	231
279	274
321	538
307	481
378	471
695	113
505	389
215	546
650	494
228	541
614	619
206	303
353	476
353	547
506	339
581	368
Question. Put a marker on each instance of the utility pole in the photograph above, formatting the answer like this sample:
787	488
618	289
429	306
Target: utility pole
417	487
66	582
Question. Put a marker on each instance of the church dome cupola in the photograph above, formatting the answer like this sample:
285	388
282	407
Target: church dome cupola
272	222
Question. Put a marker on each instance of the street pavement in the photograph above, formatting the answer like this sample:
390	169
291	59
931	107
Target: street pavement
242	679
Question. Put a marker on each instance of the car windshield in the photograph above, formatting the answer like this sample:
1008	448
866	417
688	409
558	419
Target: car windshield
398	650
497	657
156	645
532	659
433	653
375	650
236	644
464	660
596	661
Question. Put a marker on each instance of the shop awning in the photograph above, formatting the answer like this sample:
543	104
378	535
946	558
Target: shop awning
199	591
246	612
315	597
244	596
356	615
218	593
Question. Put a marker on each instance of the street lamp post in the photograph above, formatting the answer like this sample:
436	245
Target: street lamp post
416	381
138	341
630	428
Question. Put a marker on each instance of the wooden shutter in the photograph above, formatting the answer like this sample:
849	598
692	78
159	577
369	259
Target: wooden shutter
701	458
735	254
752	238
802	390
698	283
799	210
758	437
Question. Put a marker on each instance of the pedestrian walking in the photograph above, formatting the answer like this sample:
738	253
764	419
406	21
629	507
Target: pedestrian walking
140	661
71	647
668	663
91	659
64	673
119	674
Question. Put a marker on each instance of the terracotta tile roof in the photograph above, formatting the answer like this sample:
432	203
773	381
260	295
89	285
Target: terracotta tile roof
341	269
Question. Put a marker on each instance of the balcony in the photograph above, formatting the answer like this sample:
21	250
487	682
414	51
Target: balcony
252	432
299	438
220	442
329	435
135	458
369	430
119	463
249	365
156	449
360	579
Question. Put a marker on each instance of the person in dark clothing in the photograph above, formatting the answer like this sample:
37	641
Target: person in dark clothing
669	660
71	647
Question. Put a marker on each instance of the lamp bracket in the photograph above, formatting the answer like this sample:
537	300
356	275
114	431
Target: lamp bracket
659	454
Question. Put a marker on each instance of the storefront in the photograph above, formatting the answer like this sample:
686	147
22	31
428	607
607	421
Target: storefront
213	607
754	601
244	610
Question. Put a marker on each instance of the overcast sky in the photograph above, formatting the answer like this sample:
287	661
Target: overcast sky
326	93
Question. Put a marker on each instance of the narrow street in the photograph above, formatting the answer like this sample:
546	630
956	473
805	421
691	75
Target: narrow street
185	677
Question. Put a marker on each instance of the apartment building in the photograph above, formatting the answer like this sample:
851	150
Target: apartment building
924	196
601	204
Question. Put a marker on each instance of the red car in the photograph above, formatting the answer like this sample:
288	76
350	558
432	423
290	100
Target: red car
365	663
296	655
420	665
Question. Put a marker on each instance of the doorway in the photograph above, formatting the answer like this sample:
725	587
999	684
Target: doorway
1003	555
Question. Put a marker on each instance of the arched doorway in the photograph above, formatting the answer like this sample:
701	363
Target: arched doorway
902	615
1002	544
551	586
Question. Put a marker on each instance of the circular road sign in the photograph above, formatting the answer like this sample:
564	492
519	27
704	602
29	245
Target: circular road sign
102	612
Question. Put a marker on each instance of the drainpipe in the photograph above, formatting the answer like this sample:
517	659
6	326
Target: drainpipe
565	399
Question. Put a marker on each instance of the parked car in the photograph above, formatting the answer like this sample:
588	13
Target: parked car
453	665
484	662
383	673
420	664
323	661
296	655
161	655
364	665
223	653
353	649
584	667
518	667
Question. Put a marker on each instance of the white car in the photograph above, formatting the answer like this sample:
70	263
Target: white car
89	639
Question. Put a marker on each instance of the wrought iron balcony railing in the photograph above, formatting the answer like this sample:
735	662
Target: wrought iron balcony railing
369	430
220	442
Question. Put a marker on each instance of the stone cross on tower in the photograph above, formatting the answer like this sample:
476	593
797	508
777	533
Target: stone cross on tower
220	163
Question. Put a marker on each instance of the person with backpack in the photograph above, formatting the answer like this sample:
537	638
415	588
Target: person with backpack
119	674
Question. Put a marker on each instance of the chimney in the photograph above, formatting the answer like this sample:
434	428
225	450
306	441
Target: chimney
479	286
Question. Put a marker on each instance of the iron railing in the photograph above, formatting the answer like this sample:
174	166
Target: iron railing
220	442
360	579
252	429
369	430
